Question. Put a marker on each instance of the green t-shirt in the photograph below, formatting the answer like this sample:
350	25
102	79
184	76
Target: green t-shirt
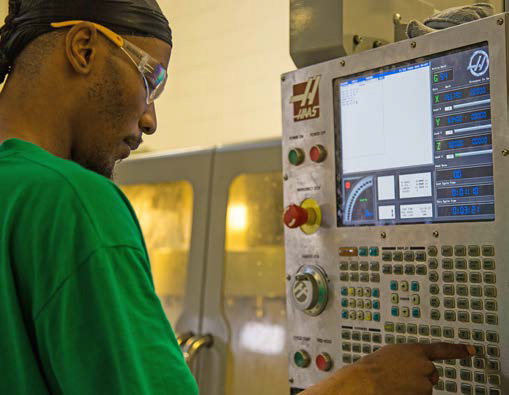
78	311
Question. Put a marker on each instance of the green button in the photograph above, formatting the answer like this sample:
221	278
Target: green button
296	156
363	251
373	251
301	359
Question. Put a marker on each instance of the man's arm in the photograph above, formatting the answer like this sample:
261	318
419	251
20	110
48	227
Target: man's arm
393	370
104	331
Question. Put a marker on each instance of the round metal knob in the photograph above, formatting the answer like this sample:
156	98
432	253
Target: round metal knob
310	290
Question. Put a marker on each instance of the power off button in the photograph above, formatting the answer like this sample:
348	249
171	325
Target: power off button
324	362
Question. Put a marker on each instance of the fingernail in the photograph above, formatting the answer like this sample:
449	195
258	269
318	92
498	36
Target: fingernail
471	350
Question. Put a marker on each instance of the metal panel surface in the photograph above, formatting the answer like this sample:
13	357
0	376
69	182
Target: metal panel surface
195	167
230	162
323	333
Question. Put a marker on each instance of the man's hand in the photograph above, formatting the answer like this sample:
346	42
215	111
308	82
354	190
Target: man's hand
402	369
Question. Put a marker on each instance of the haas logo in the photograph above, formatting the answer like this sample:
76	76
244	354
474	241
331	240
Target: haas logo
306	100
479	63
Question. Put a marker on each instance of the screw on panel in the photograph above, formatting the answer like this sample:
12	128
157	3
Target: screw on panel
285	177
288	277
505	152
500	21
342	63
377	44
290	380
396	18
283	78
413	44
436	234
383	235
357	39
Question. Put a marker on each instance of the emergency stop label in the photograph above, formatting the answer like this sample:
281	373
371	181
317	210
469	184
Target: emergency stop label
306	100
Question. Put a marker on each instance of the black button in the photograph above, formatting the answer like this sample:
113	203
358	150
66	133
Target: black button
474	264
476	291
479	350
460	250
490	292
467	363
400	328
492	337
476	304
493	351
435	315
449	333
366	337
400	339
423	330
377	338
477	318
354	266
347	358
420	256
474	250
433	264
479	363
434	302
345	335
398	269
466	375
464	334
479	377
460	264
432	251
490	304
374	278
466	389
463	316
450	373
494	379
451	386
366	348
488	250
475	278
449	290
346	347
449	303
412	329
409	256
488	264
480	390
397	256
343	266
478	335
374	266
493	365
433	277
490	278
386	256
421	270
492	319
409	270
387	269
436	331
364	266
356	336
389	339
447	264
462	302
364	277
356	347
447	250
434	289
461	277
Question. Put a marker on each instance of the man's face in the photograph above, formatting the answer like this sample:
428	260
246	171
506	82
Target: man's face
112	121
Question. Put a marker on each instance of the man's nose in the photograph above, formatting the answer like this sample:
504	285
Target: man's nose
148	121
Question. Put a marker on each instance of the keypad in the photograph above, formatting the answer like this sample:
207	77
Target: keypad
440	293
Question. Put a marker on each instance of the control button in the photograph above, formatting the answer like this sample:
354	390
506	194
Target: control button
412	329
466	363
460	264
488	251
488	264
434	289
466	389
373	251
296	156
434	302
364	277
395	311
476	304
301	359
450	315
351	291
400	328
477	318
449	303
405	312
414	286
398	269
310	290
494	366
474	250
479	350
387	269
424	330
475	278
389	327
433	277
460	250
480	390
492	337
490	278
423	340
296	216
389	339
400	339
416	312
409	270
352	304
479	377
343	266
494	379
412	339
463	316
363	251
436	331
376	305
376	317
395	298
408	256
433	263
374	277
348	251
360	316
360	304
404	285
377	338
420	256
490	292
366	348
451	386
439	386
478	335
435	315
367	292
386	256
367	316
449	290
354	277
397	256
476	291
421	270
354	266
447	264
450	373
464	334
448	277
344	302
461	277
394	285
474	264
376	293
374	266
367	304
344	314
366	336
345	335
432	251
356	336
447	250
416	300
462	290
318	153
490	305
344	291
324	362
493	351
449	333
346	347
463	303
355	358
364	266
356	347
465	375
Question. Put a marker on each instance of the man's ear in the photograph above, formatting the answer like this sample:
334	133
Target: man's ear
81	47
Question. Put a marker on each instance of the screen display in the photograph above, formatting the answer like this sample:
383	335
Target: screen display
414	141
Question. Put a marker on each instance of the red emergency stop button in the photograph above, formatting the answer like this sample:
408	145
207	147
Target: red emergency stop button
295	216
318	153
324	362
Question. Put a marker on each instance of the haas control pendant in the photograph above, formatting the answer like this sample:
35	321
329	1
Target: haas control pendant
309	290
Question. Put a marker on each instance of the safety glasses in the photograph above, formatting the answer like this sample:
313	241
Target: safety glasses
153	73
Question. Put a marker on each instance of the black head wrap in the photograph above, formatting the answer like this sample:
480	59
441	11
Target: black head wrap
29	19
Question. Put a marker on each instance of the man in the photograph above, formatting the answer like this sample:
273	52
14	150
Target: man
79	312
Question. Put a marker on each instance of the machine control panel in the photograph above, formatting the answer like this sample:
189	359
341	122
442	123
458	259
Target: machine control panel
397	206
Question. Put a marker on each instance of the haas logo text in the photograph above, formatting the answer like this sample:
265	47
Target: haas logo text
306	100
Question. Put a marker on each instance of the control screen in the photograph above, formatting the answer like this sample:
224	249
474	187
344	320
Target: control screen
414	141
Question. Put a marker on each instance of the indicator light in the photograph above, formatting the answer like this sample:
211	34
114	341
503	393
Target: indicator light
296	156
318	153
